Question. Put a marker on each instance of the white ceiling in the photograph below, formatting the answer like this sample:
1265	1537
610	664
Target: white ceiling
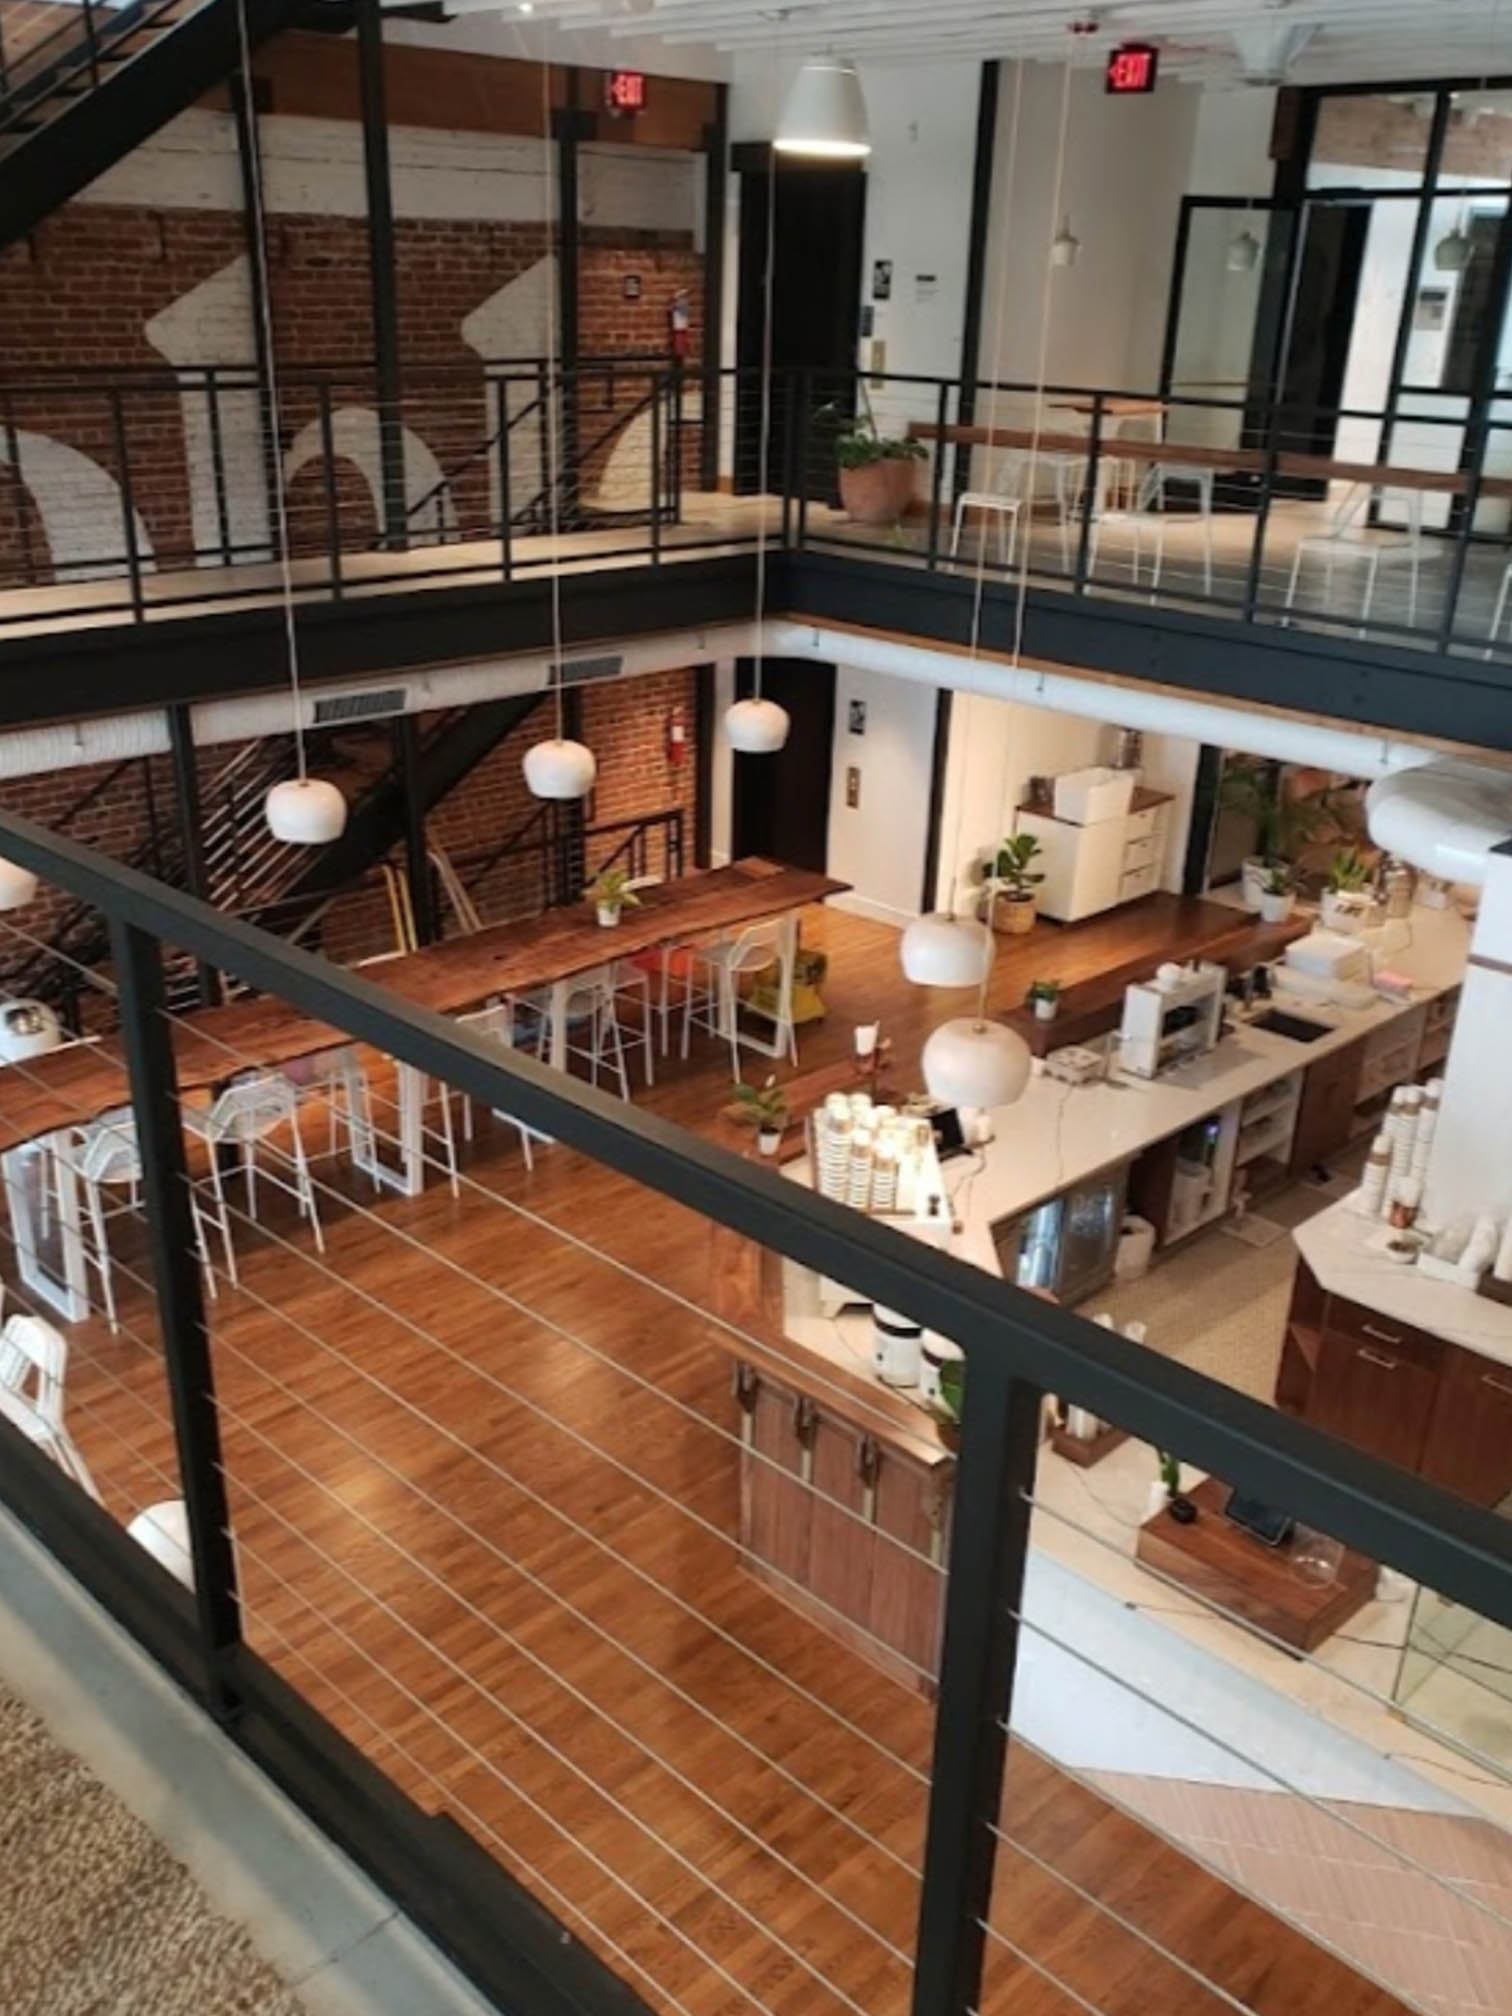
1221	41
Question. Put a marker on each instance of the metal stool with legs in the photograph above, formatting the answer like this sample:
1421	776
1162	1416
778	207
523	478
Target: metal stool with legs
245	1116
717	1006
103	1157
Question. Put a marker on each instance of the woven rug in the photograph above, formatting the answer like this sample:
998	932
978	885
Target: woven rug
96	1917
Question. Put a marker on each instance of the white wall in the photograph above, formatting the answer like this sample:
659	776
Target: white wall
1470	1169
879	846
1231	143
1126	169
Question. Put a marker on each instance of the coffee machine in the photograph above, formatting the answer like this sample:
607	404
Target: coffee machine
1171	1019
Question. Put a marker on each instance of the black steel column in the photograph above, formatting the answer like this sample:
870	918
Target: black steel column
416	853
254	225
716	184
148	1043
704	737
191	828
385	299
976	267
989	1545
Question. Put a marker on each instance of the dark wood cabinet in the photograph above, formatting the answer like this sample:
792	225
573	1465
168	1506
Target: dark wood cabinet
1326	1113
1469	1443
1375	1393
1398	1392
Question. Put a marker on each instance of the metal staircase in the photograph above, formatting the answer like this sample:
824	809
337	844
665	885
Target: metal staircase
82	82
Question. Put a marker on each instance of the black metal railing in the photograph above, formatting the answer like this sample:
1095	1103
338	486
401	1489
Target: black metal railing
1221	505
1016	1350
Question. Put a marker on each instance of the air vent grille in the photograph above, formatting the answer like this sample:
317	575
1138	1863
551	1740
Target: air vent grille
580	671
369	706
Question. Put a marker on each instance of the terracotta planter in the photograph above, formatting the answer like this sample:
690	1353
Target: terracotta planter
878	493
1015	915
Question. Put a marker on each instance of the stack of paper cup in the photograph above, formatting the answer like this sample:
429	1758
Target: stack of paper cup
833	1146
1422	1140
1401	1130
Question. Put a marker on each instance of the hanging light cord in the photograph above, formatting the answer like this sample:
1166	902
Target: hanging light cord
764	430
1043	368
553	405
275	415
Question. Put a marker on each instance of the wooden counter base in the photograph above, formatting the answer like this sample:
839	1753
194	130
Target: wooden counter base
1221	1563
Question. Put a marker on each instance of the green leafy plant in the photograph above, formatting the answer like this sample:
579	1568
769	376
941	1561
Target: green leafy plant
1284	822
1012	870
762	1106
1170	1471
1348	870
810	968
859	442
948	1407
611	891
1278	879
1043	990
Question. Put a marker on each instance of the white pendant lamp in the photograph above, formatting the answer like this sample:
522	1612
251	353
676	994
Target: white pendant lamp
756	727
1452	253
945	951
305	811
559	768
824	116
27	1029
1244	252
1065	247
302	810
17	886
970	1062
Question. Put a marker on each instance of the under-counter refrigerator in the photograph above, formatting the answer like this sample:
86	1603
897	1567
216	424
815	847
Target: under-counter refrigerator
1068	1245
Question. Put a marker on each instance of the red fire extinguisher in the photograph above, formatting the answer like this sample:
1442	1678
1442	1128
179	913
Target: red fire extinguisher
679	325
677	738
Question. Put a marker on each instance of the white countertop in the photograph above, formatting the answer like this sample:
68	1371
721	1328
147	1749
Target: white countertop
1058	1135
1344	1252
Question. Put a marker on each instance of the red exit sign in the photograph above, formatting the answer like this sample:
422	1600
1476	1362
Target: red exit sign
625	92
1131	69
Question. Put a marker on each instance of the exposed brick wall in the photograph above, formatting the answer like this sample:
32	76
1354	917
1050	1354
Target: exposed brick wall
624	723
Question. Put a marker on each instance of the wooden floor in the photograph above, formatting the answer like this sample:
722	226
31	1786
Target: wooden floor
483	1483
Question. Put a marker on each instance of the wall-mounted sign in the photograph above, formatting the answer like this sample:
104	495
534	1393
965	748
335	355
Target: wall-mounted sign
630	287
856	717
624	92
881	279
1132	67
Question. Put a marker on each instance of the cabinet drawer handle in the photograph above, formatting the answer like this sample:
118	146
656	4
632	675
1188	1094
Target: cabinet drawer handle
1377	1358
1497	1385
1381	1336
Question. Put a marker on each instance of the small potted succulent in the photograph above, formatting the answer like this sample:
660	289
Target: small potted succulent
1349	876
1165	1491
1015	881
610	894
1277	895
765	1108
1044	998
876	471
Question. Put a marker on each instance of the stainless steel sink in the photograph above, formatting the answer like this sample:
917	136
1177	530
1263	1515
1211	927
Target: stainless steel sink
1298	1027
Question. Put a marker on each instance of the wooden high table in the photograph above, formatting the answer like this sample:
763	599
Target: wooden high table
44	1098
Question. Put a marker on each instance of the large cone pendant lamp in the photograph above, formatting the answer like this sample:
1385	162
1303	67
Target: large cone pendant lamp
824	116
18	885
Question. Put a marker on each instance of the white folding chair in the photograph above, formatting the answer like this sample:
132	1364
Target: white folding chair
246	1116
1009	498
102	1157
33	1365
496	1022
717	1006
1346	536
1148	514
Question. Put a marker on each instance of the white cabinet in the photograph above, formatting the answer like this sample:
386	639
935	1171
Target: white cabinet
1096	867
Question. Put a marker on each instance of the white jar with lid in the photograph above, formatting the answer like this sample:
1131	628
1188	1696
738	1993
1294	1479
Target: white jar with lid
897	1341
935	1351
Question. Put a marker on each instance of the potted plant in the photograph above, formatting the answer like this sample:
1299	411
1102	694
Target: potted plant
1277	894
1284	821
1165	1491
765	1108
1349	874
1015	882
610	894
946	1407
1044	998
876	471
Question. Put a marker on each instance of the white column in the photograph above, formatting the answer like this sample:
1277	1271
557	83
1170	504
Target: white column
1471	1168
